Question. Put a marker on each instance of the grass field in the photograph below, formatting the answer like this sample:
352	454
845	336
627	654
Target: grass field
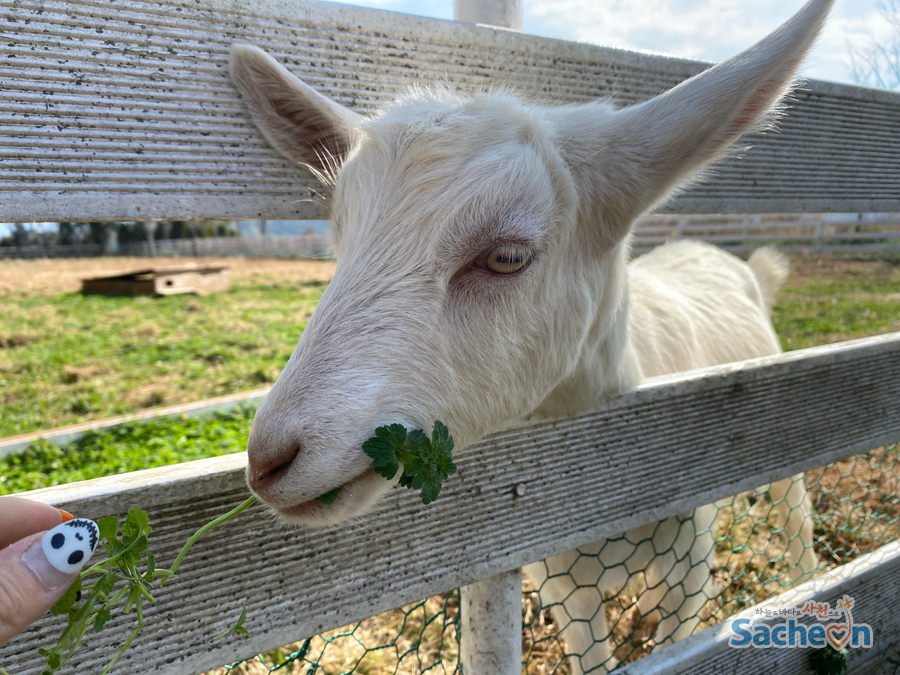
833	299
67	358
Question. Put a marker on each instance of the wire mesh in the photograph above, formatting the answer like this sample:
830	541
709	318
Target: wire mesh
422	637
612	602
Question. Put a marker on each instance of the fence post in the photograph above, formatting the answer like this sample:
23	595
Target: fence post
491	625
502	13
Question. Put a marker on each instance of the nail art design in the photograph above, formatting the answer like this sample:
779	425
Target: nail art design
70	545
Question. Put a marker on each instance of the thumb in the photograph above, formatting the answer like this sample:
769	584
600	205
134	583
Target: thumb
36	571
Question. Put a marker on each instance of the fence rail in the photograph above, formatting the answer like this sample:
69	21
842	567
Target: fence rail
169	138
816	233
144	90
271	246
873	581
695	437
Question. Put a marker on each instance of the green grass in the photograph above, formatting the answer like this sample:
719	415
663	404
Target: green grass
67	358
837	301
70	358
126	447
825	313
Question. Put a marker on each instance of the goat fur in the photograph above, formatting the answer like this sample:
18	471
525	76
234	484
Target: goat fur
412	327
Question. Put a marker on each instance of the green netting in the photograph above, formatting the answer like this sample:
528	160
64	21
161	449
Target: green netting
613	602
419	638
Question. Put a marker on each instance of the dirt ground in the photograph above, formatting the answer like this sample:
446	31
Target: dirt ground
829	267
63	275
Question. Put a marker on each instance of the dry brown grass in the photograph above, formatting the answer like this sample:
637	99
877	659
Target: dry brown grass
858	504
405	641
421	637
47	277
857	511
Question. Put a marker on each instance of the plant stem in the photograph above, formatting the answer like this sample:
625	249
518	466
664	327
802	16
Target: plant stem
250	501
125	646
105	563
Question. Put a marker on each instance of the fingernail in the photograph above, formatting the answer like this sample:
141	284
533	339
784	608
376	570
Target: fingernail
66	516
62	552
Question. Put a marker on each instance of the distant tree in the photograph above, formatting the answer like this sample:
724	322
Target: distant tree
17	237
877	63
20	235
70	233
98	233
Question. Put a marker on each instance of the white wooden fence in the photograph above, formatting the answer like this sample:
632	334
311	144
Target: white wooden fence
791	233
695	437
122	111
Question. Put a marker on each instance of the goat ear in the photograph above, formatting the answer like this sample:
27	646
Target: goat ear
300	123
642	153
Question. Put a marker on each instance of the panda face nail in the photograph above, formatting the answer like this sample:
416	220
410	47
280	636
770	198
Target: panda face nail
69	546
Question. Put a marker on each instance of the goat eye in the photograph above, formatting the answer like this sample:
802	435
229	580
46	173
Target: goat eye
505	258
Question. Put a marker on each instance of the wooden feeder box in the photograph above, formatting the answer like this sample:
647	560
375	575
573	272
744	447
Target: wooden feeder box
163	281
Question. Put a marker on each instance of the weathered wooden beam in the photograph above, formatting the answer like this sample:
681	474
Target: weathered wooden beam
490	625
122	109
672	444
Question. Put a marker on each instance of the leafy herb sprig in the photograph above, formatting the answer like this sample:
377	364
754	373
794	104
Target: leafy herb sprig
427	463
117	578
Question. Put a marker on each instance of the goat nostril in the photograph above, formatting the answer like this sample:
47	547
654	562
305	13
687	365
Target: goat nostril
265	473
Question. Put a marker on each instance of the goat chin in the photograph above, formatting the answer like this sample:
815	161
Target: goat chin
356	497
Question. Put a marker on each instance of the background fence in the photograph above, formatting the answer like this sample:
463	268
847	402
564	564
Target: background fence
276	246
813	233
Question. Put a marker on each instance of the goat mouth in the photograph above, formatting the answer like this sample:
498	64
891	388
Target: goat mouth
316	507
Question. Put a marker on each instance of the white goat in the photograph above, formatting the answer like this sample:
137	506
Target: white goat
482	277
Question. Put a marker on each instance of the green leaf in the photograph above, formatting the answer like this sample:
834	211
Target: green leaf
330	496
123	563
105	583
65	603
151	568
137	522
442	443
384	449
102	617
78	621
427	463
109	528
54	659
238	627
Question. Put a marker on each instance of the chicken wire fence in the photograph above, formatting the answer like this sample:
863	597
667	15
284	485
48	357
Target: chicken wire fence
856	510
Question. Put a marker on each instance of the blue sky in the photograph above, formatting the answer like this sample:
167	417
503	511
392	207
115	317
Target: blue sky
709	30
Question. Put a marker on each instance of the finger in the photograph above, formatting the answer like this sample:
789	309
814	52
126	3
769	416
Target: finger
36	571
21	517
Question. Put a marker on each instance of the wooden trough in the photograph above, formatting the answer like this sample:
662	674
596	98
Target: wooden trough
163	281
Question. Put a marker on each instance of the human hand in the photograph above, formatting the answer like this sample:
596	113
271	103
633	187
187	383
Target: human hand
37	566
